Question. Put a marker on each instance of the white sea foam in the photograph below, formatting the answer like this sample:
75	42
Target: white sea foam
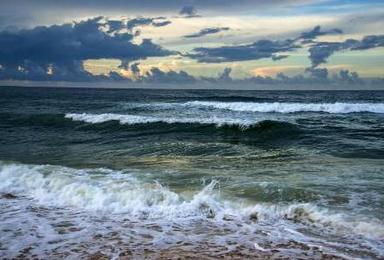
281	107
107	191
135	119
101	190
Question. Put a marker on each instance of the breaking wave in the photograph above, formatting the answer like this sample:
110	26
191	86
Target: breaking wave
135	119
244	130
280	107
120	192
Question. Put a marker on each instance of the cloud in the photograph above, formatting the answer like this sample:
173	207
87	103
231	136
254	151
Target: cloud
155	75
142	21
273	70
114	76
135	68
349	77
57	52
315	76
65	8
369	42
320	52
161	24
61	49
279	57
318	73
206	31
188	11
225	76
315	32
257	50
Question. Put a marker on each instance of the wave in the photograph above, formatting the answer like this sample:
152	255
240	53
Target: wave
135	119
120	192
281	107
221	127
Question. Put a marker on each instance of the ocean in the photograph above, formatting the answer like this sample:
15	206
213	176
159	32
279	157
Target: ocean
198	173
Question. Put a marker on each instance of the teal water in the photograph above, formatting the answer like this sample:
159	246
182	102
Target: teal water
255	169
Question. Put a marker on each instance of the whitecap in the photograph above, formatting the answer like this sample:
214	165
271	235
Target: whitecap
281	107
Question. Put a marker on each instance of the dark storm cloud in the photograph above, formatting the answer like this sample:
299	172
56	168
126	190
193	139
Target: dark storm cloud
257	50
207	31
60	49
320	52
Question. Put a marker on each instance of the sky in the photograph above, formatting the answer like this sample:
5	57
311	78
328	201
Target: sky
188	41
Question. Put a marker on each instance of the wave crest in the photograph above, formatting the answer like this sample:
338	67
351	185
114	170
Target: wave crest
281	107
225	127
135	119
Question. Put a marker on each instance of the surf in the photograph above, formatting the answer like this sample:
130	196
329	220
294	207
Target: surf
109	191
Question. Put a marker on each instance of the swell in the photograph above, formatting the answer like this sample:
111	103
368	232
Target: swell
120	192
